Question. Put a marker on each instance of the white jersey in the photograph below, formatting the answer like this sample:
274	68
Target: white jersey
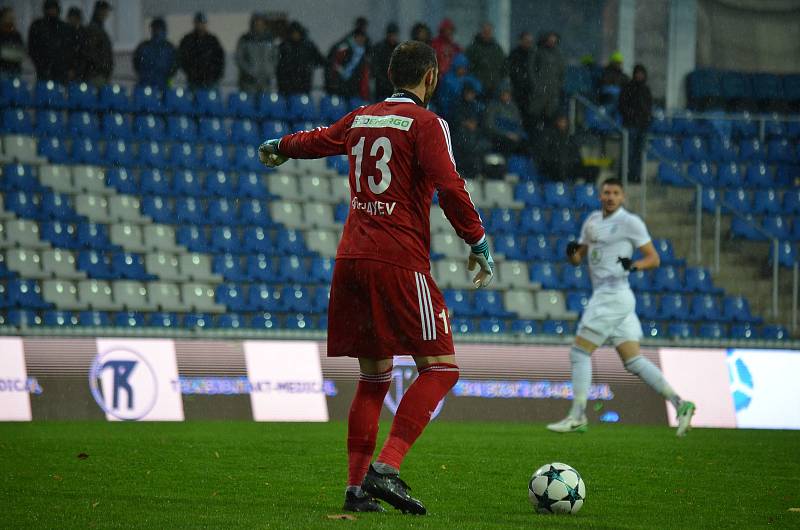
608	239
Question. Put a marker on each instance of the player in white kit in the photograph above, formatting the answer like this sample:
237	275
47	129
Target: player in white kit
608	239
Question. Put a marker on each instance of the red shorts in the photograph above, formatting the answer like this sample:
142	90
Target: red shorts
378	310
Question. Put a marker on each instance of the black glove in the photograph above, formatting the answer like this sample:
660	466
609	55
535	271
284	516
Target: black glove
572	248
627	263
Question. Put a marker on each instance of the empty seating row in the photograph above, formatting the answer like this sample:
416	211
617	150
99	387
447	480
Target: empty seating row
728	175
725	125
722	149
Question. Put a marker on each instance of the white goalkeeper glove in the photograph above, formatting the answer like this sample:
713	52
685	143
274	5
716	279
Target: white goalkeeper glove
481	257
269	155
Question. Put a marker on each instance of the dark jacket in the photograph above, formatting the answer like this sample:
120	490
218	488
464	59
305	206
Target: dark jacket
547	80
381	53
201	57
257	58
611	83
296	63
519	74
98	57
558	154
12	52
49	47
347	74
487	63
636	105
502	119
155	61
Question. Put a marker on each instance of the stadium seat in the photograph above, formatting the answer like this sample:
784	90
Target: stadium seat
273	106
529	193
722	149
259	268
737	309
787	253
777	227
25	293
459	303
739	200
242	105
253	212
17	121
22	318
181	129
701	172
84	124
490	304
553	304
220	184
256	240
563	222
161	319
546	275
577	301
93	236
557	327
742	331
698	280
671	174
647	306
49	95
129	265
774	332
50	123
162	265
15	91
502	220
52	149
296	298
225	239
160	237
332	108
60	319
94	319
26	262
291	242
60	263
712	330
694	149
673	307
321	270
491	326
158	209
780	151
128	235
320	300
152	155
452	274
230	321
149	127
245	158
231	296
197	267
575	278
729	176
184	156
265	320
507	245
250	185
667	253
680	330
292	269
25	204
186	183
262	297
791	201
189	210
705	307
245	132
513	274
746	228
766	202
198	321
639	280
283	186
666	279
200	297
222	212
208	102
759	176
752	150
95	264
215	157
147	100
178	100
666	148
301	108
212	130
557	195
532	221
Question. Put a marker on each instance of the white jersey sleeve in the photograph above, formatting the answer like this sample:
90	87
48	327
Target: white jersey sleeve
637	231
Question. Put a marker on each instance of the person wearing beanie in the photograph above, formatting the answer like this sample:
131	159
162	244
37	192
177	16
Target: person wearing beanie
636	108
298	57
156	60
49	40
257	56
487	60
200	55
613	79
446	48
381	53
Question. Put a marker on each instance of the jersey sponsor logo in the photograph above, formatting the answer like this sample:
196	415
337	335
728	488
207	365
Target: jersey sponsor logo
373	207
392	121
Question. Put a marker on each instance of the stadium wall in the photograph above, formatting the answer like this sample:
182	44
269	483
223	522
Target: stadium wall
158	379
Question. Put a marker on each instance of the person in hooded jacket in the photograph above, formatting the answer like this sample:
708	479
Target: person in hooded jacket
421	32
298	56
200	55
257	56
444	45
98	57
12	49
452	85
49	44
155	60
381	53
519	72
547	79
347	74
636	108
487	60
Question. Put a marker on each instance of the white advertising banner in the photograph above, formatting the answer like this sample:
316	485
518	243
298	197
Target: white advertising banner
131	379
286	380
15	388
764	388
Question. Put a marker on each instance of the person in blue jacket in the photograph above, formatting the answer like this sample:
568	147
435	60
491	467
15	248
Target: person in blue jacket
155	60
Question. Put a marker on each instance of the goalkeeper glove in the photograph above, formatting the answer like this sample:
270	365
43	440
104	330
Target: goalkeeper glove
627	263
481	257
572	248
269	155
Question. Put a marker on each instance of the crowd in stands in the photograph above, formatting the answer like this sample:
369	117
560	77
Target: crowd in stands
508	104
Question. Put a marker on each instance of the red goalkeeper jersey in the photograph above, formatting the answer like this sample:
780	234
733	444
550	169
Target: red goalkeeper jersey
400	153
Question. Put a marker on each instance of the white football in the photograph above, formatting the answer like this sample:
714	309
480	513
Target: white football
556	488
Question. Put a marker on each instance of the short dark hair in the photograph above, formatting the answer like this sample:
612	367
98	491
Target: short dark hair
410	60
612	181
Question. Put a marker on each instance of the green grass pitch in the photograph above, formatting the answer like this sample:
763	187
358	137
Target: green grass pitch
470	475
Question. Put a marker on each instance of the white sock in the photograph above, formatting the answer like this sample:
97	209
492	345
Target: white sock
650	374
581	379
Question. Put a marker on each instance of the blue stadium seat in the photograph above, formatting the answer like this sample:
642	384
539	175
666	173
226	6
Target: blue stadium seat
694	149
122	180
94	319
24	204
698	280
273	106
50	123
265	320
212	130
710	199
320	300
667	279
154	182
462	326
291	242
301	108
189	211
652	329
766	202
796	230
751	150
274	129
557	327
491	326
575	278
665	147
712	330
129	266
759	176
673	307
502	220
745	227
60	234
647	306
563	221
54	150
781	151
23	318
705	307
245	132
737	309
671	174
525	327
546	275
539	248
198	321
296	298
261	268
85	151
777	227
321	270
263	297
523	167
149	127
178	100
231	296
639	280
26	294
15	92
292	269
577	301
186	183
158	208
193	238
722	149
332	108
729	176
114	98
160	319
253	212
95	264
532	221
245	158
225	239
490	304
459	303
151	155
787	253
299	321
242	105
739	200
680	330
58	206
185	156
701	172
736	86
147	100
181	129
667	253
340	164
787	175
774	332
251	185
117	126
340	212
586	197
84	124
19	177
118	153
685	123
257	240
767	88
81	96
17	121
94	236
220	184
742	331
230	267
222	212
230	321
509	246
208	102
49	95
557	195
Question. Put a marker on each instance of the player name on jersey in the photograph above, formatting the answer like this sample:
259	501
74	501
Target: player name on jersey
373	207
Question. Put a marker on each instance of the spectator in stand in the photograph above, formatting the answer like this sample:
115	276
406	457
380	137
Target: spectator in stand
504	123
547	79
594	73
612	80
487	60
381	53
449	93
200	55
636	108
519	73
257	56
421	32
362	24
297	59
98	57
347	74
12	49
155	60
446	48
559	155
49	44
77	42
470	145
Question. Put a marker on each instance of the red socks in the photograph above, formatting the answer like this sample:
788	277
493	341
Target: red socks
362	428
414	412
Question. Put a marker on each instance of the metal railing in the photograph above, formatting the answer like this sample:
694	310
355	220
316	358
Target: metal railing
720	203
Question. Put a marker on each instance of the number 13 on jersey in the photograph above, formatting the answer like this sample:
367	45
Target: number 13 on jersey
382	145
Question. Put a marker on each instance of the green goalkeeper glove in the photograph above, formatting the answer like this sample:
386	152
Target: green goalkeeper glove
269	155
481	257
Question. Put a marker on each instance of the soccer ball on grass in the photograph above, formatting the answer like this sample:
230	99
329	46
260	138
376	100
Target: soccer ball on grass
556	488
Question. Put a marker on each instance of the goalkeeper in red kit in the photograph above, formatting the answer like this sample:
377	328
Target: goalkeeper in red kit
383	300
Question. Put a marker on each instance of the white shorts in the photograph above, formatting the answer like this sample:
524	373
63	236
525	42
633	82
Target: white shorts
610	316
